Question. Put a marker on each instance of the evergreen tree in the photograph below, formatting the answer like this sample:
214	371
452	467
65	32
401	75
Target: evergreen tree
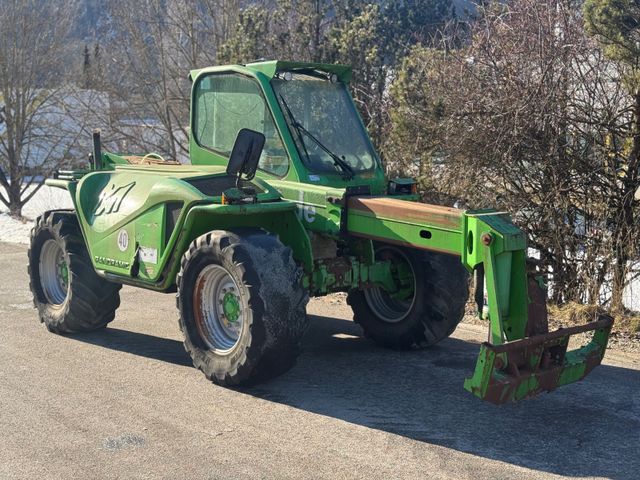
616	26
374	39
251	38
86	68
98	69
411	22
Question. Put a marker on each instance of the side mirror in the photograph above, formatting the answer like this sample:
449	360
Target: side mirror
245	155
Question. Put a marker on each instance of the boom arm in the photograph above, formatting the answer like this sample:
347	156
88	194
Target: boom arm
521	358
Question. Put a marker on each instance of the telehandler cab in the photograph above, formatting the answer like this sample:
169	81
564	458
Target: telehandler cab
285	198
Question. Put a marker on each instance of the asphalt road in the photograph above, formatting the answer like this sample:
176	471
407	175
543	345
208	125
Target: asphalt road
126	403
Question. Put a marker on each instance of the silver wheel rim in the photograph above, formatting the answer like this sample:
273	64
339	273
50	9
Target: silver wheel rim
218	311
54	272
384	306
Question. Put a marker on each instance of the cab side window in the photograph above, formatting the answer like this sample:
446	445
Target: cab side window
227	103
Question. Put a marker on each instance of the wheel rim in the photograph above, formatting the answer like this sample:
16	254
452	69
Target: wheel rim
54	272
219	316
393	308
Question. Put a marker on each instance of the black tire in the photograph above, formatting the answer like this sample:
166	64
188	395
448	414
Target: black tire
270	296
86	302
441	290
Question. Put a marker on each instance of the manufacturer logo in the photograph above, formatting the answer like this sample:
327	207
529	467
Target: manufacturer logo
123	240
112	262
305	212
111	199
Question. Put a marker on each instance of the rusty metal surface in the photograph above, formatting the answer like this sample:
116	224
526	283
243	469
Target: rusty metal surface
604	321
537	316
323	246
537	363
140	160
503	390
402	210
339	266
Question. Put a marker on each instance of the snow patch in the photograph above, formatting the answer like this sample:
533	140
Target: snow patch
47	198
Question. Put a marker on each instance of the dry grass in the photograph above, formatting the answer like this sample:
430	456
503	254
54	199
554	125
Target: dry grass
625	334
576	313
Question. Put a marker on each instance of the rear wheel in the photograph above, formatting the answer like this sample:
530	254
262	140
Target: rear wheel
242	306
69	295
427	306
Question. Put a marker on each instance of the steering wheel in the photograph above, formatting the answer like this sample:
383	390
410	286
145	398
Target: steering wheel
359	162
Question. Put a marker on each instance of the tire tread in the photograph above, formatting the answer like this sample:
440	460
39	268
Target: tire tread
92	301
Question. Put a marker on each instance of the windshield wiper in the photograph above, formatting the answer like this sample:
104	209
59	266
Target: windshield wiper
297	126
340	163
347	171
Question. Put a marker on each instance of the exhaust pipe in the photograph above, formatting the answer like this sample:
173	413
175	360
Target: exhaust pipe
97	150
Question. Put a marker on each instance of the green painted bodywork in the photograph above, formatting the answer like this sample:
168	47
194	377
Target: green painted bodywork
298	173
138	221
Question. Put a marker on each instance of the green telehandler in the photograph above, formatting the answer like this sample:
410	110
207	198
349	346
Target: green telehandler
285	198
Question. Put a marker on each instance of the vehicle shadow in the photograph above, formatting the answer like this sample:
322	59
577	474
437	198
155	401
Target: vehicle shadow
141	344
591	428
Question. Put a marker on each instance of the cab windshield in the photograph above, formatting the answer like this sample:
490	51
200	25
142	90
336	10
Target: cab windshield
324	124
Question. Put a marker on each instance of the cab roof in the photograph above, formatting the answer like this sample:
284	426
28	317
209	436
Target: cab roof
271	67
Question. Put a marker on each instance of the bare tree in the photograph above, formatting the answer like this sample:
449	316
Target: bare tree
156	46
32	48
531	117
615	26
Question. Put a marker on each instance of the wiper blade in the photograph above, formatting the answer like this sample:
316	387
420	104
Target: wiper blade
339	163
297	126
347	171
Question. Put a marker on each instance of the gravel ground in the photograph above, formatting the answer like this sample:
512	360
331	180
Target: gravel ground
126	403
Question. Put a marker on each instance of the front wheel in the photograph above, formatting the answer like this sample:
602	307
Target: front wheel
242	306
427	306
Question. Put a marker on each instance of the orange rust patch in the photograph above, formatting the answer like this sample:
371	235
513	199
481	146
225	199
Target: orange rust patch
402	210
140	160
